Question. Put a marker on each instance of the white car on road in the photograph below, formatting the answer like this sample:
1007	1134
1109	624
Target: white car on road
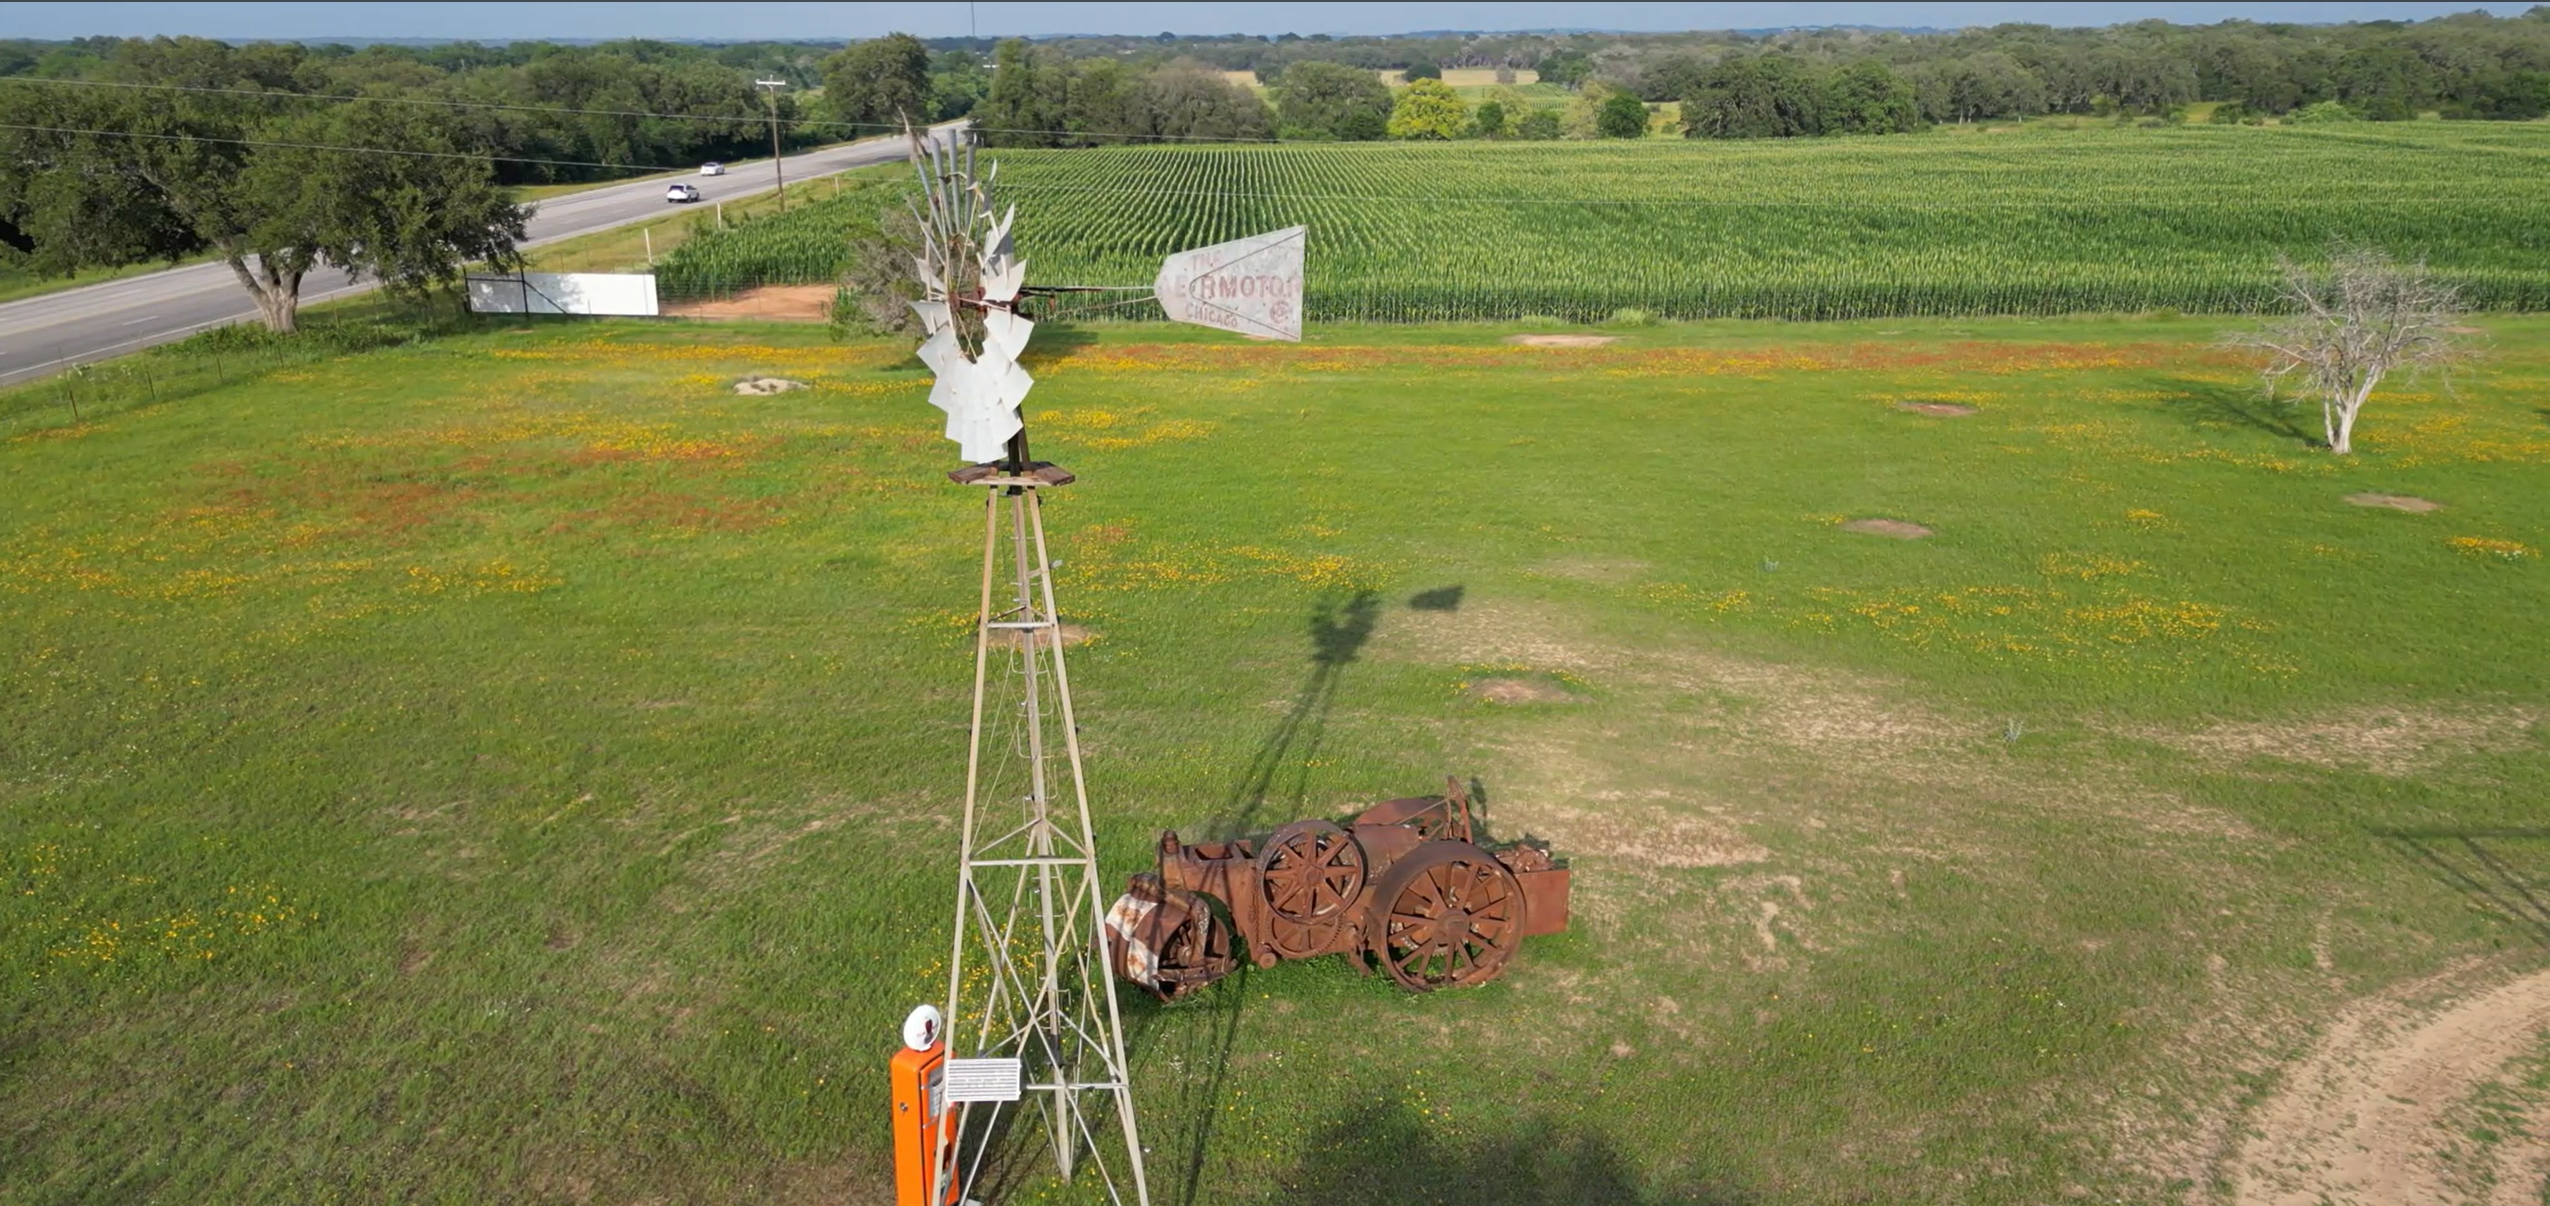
679	193
712	169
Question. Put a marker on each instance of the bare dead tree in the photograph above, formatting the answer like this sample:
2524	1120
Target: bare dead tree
2361	318
877	290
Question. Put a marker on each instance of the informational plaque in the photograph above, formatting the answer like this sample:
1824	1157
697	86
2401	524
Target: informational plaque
982	1080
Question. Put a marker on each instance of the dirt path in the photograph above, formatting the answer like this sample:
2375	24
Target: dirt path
2367	1119
790	303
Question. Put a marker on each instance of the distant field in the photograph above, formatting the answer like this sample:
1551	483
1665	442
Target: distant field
2024	220
1458	77
1466	77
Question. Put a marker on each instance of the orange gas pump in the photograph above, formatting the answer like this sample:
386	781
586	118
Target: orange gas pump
919	1072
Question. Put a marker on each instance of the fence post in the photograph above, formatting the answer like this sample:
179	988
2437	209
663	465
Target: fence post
649	236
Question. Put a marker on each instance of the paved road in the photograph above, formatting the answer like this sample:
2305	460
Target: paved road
42	335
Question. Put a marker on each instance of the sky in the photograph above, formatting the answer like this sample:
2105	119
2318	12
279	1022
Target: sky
736	20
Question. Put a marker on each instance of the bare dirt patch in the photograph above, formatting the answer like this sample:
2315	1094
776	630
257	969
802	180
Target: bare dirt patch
784	303
1561	341
1896	528
1518	691
2397	502
2360	1120
1939	410
2386	741
1605	828
1590	569
1072	635
1793	705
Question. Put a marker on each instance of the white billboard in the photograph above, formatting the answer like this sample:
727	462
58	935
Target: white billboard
611	293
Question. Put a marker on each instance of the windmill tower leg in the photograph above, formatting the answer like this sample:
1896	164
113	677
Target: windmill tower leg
1027	969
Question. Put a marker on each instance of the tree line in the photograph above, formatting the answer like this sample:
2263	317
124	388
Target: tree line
2467	65
546	113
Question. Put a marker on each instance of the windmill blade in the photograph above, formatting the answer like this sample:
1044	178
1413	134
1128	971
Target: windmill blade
1001	329
998	242
1001	280
1252	285
934	317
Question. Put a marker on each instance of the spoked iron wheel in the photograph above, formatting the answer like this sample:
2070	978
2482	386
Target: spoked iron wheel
1449	916
1310	873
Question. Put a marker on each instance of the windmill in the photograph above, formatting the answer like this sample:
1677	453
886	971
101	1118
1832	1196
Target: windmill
1027	970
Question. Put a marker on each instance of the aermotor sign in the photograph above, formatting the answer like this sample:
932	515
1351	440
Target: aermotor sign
1252	285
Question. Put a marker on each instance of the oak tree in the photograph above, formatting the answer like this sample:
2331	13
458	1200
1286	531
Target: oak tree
266	181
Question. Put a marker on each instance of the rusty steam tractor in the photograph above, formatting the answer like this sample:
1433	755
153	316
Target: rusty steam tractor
1404	886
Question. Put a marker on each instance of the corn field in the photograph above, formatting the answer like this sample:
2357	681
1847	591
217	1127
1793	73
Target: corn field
2028	221
807	245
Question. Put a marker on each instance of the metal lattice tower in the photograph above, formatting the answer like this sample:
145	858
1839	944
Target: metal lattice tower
1027	973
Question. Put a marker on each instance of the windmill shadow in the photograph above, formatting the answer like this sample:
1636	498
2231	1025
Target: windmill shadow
1195	1053
1195	1056
1387	1154
1281	766
2479	864
1441	598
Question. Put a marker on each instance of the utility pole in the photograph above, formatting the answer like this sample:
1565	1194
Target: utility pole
771	94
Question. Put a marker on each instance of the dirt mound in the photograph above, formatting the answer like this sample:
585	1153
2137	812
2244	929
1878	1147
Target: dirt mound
1518	691
2366	1117
2396	502
1897	528
785	303
1942	410
755	387
1561	341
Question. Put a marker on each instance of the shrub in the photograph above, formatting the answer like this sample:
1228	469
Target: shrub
1622	116
1539	125
1429	109
2324	111
1331	100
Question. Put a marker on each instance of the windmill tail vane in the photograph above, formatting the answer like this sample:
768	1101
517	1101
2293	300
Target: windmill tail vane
973	283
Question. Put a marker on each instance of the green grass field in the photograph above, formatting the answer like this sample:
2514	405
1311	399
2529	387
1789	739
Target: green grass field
511	767
2028	219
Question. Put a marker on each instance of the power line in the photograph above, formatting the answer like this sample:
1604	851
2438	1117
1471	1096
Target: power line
319	146
881	126
755	118
1137	191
